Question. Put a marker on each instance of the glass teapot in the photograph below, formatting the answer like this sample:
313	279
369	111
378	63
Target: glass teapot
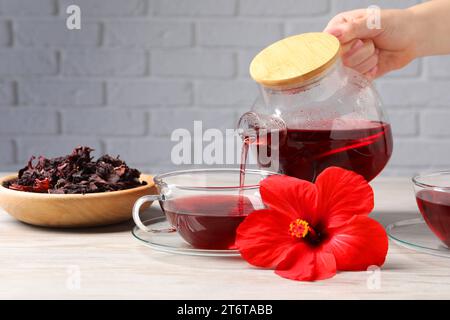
313	113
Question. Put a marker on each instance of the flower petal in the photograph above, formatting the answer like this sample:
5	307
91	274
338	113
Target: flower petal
360	243
291	196
307	264
341	195
263	238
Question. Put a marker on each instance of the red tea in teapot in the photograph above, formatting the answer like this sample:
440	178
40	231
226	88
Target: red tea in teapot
435	208
359	145
208	221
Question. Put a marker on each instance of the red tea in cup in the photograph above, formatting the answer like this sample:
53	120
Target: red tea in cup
435	208
204	206
208	221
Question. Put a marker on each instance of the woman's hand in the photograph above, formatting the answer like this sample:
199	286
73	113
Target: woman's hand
375	51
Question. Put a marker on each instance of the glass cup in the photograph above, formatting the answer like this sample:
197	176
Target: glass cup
433	199
205	206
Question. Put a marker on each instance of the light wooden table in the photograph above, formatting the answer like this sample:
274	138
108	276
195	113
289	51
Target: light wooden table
110	263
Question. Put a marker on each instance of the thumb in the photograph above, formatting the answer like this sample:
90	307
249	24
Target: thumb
347	28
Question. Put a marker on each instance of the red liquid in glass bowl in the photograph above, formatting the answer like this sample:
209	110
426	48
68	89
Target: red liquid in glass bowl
208	221
359	145
435	208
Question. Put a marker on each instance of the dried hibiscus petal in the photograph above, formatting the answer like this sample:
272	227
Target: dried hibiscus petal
41	185
76	173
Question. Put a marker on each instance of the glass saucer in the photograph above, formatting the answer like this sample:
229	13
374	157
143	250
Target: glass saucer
414	234
172	242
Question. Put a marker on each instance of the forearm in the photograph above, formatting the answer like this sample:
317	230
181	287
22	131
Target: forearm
431	21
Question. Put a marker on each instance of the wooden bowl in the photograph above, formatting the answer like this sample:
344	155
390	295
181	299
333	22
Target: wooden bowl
71	211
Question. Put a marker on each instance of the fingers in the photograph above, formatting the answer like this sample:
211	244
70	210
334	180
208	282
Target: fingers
361	56
351	46
358	53
373	73
367	65
357	40
351	25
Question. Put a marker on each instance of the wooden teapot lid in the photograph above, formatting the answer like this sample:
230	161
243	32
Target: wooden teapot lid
295	59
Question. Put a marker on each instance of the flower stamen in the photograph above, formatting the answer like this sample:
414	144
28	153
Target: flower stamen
299	228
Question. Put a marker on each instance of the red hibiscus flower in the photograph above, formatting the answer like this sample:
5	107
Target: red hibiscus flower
312	230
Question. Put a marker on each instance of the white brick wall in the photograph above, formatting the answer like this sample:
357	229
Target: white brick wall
44	32
147	33
140	68
344	5
420	92
237	33
7	151
58	93
143	151
101	122
101	62
108	8
193	63
52	146
436	123
17	121
405	122
226	92
149	93
195	8
283	8
7	92
184	118
28	62
438	67
5	33
27	7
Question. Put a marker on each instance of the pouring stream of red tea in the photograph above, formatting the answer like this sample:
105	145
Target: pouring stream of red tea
243	164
